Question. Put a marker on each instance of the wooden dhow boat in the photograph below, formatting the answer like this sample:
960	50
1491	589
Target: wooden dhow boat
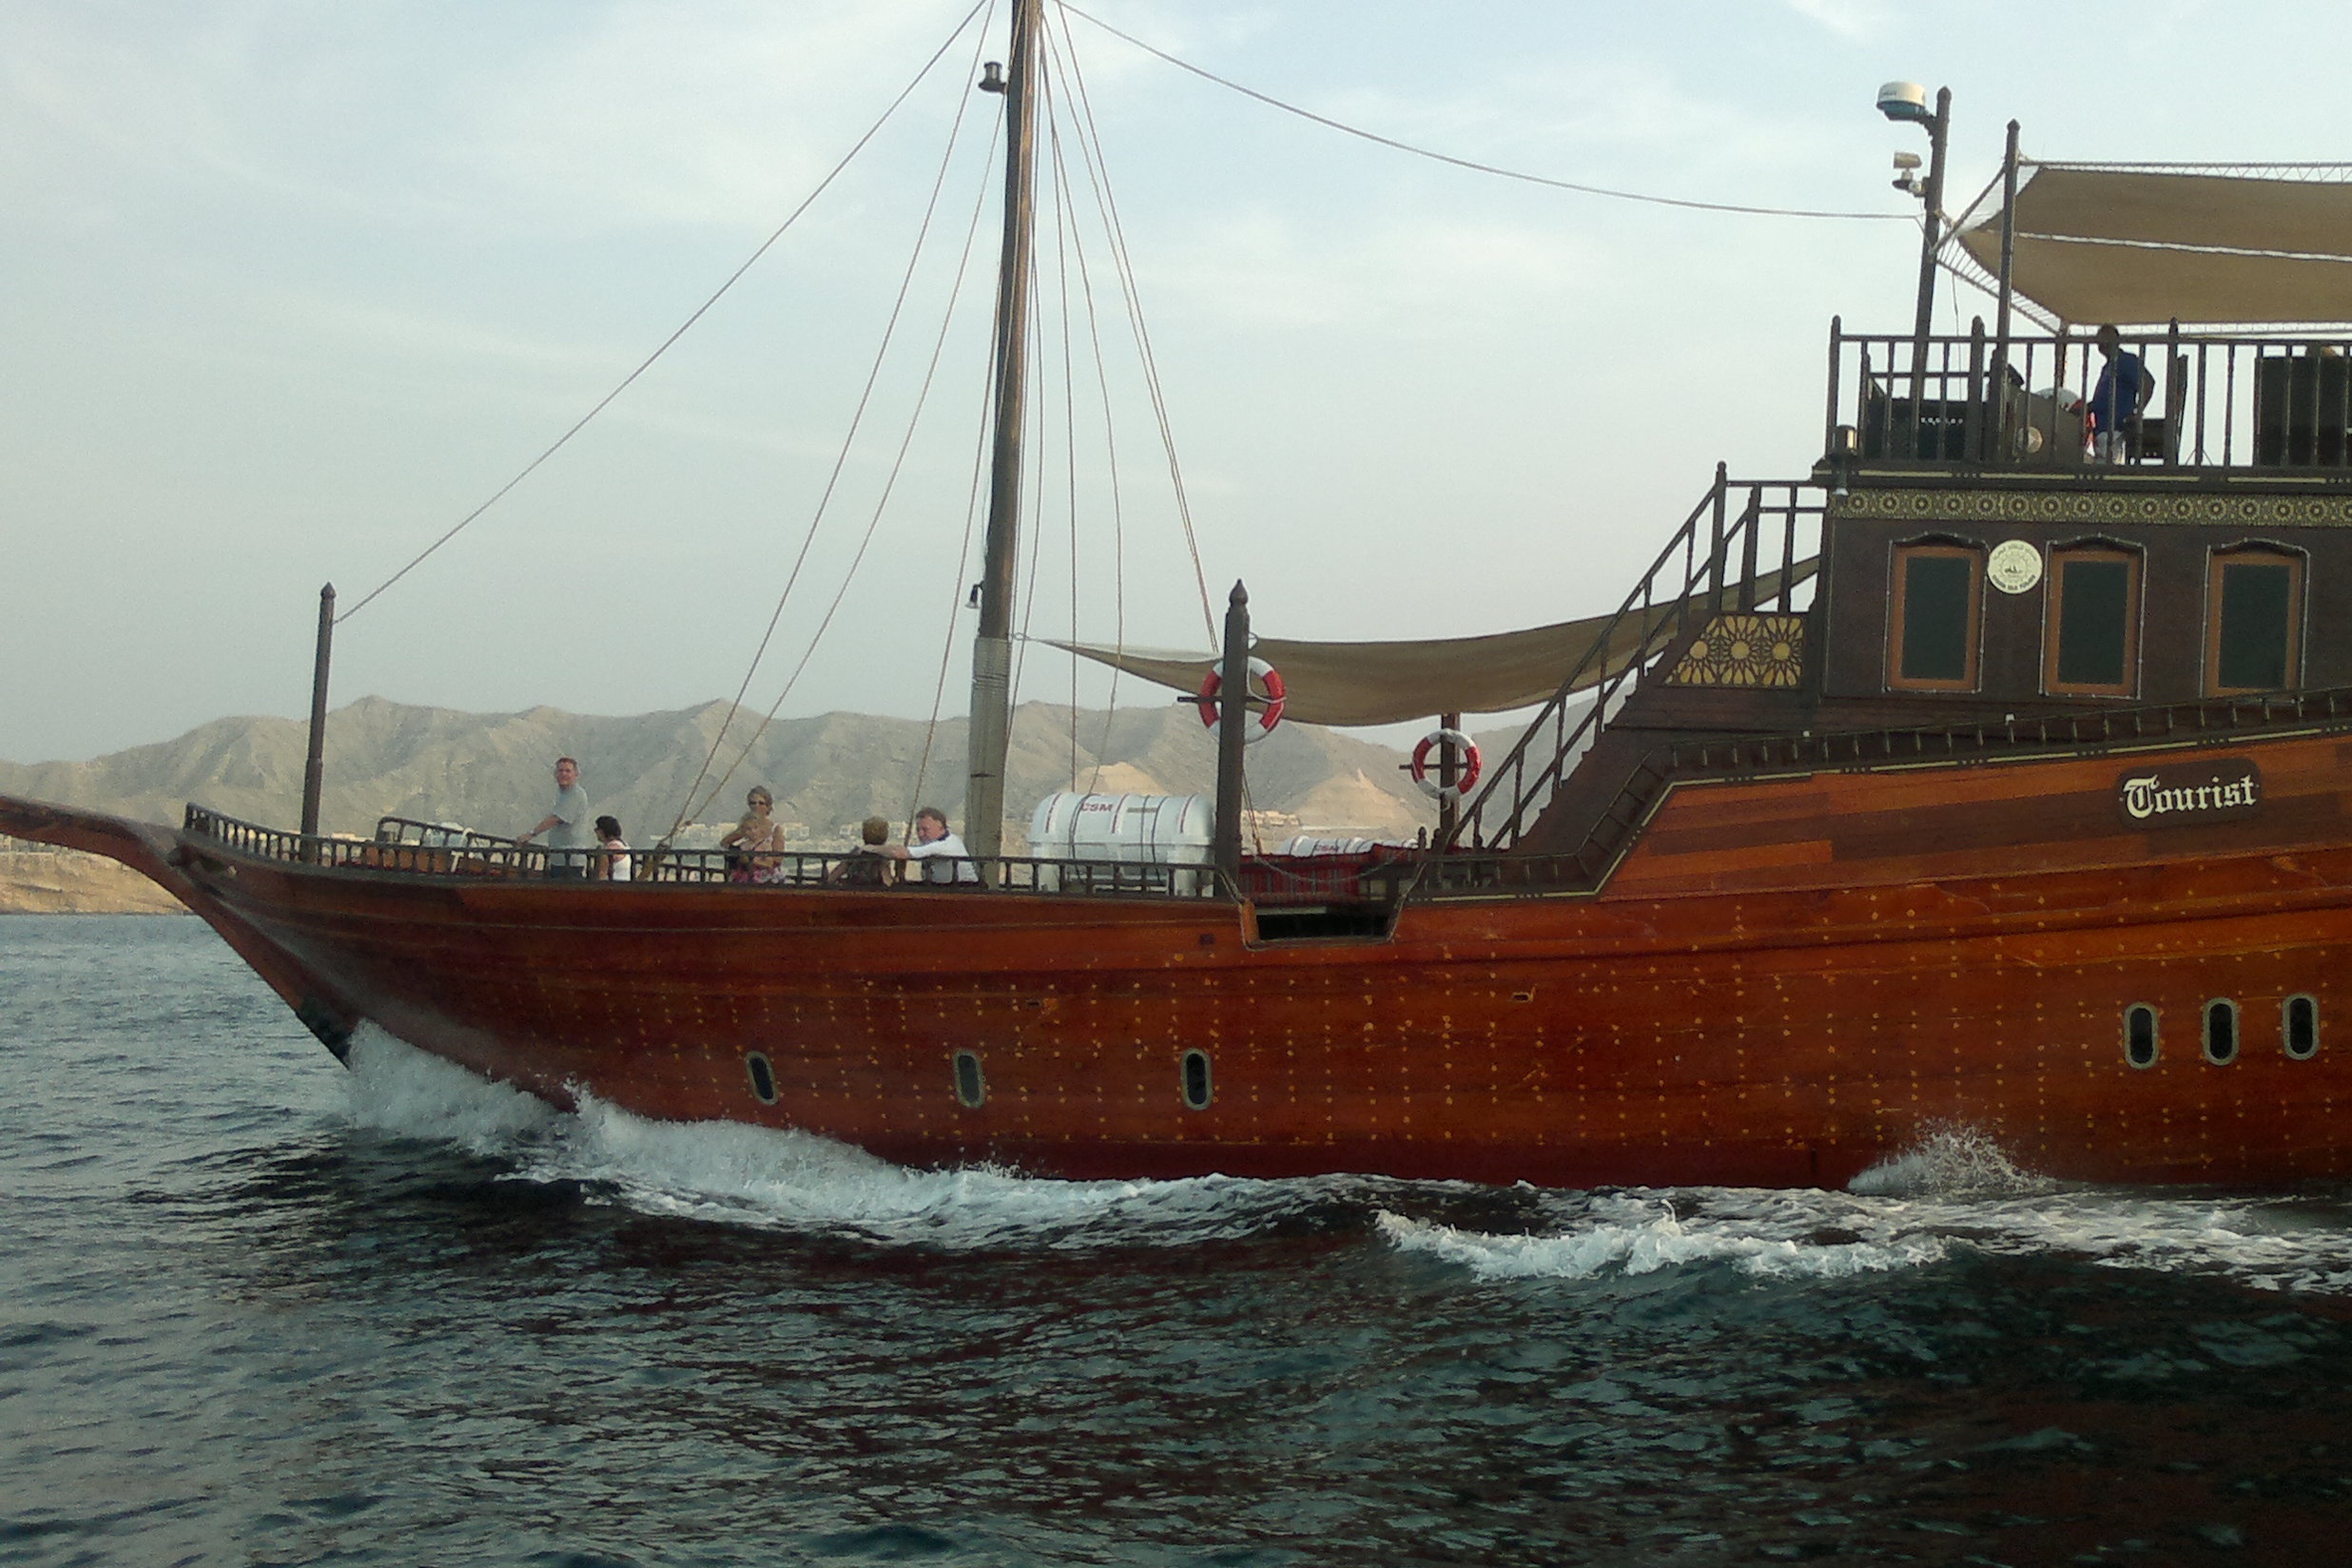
1959	783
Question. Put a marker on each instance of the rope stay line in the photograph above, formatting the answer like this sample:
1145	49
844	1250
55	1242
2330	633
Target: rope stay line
689	808
1065	192
685	327
1472	165
1098	173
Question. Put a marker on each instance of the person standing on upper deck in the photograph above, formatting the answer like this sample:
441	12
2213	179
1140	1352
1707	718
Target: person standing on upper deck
933	841
2125	387
568	823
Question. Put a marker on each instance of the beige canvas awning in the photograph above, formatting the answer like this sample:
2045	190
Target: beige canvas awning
1394	682
2140	248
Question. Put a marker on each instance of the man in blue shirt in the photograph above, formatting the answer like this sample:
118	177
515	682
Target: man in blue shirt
2125	387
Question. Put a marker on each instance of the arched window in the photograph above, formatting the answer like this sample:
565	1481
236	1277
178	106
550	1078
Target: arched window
2090	633
2253	621
1938	602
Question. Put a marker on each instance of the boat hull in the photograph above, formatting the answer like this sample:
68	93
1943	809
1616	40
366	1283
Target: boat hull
1786	981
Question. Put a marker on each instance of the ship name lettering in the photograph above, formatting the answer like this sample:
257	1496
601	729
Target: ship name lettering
2150	795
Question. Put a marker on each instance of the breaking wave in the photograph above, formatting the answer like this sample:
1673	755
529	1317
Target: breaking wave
1954	1195
735	1173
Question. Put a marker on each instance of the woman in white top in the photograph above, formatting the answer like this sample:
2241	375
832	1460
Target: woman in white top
615	865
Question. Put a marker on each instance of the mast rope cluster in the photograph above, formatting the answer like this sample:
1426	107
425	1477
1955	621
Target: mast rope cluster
1064	104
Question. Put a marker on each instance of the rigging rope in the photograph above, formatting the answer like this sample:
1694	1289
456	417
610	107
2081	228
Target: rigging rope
1110	441
841	460
1098	174
685	327
1474	166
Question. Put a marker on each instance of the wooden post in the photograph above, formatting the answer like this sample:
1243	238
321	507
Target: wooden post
2009	257
1232	733
314	766
1449	769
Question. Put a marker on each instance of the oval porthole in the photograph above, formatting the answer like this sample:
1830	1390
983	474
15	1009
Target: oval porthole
1199	1090
2140	1035
2221	1031
763	1078
2298	1027
971	1088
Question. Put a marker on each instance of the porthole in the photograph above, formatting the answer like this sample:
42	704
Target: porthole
763	1078
2140	1035
2298	1027
1197	1089
2221	1031
971	1086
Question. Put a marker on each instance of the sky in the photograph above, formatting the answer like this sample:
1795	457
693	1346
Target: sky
292	288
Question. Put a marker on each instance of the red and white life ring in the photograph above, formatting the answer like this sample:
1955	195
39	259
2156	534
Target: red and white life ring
1265	679
1465	770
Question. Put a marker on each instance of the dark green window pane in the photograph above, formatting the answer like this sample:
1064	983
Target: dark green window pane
2094	612
2256	605
1935	596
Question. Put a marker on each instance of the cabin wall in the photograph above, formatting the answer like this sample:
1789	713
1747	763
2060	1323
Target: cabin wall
2176	536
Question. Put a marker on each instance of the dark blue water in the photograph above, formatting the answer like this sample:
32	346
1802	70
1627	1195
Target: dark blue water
254	1308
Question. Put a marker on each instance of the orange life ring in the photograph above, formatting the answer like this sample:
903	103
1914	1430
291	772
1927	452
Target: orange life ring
1266	679
1466	775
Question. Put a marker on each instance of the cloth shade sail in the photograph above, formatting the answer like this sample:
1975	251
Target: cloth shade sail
2140	247
1394	682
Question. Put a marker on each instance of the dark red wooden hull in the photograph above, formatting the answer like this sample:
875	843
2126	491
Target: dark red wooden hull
1785	981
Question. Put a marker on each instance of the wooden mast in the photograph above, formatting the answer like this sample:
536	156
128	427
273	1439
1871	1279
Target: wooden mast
992	645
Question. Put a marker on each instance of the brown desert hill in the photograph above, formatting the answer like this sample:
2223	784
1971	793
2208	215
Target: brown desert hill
491	771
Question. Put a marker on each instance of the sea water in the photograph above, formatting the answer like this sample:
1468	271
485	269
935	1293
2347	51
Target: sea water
258	1308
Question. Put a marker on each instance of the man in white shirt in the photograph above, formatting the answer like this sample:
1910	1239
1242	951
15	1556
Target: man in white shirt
934	842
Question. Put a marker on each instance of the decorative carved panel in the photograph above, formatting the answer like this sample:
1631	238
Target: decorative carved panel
1745	650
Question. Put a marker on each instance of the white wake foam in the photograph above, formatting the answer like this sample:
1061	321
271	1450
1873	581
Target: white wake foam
737	1173
1649	1235
1953	1193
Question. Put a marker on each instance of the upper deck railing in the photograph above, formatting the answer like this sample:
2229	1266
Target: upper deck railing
2277	405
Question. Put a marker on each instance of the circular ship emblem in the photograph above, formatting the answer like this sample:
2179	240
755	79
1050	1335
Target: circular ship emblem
2013	567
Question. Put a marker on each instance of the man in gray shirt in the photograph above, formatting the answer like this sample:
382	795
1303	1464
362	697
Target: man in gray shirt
567	825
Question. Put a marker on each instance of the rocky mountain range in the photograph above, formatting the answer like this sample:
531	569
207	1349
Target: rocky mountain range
491	771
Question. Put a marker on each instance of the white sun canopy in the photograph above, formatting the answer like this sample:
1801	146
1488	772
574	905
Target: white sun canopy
1394	682
2143	247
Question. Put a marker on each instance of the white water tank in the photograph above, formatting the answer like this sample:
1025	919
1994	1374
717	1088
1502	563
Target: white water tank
1125	829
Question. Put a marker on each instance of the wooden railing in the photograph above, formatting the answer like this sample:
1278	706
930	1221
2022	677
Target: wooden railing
2215	403
416	848
1760	557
